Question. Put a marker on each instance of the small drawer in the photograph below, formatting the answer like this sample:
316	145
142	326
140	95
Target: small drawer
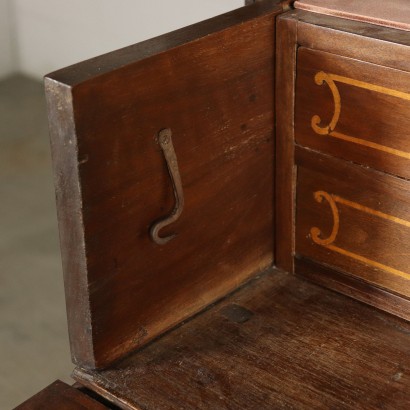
354	110
354	219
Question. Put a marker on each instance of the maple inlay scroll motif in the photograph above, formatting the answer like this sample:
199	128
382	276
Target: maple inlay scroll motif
330	129
329	242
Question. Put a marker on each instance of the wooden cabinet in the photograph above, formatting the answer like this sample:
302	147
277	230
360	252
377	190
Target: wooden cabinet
353	219
349	152
227	157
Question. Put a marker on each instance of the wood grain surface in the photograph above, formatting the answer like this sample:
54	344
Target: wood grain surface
372	121
355	219
60	396
353	286
212	85
379	44
278	343
395	14
339	44
285	170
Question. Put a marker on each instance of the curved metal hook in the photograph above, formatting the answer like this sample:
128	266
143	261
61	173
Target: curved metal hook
165	142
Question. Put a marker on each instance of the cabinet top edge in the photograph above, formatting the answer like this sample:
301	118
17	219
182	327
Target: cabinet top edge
390	13
360	28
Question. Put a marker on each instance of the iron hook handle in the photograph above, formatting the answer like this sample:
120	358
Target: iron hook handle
165	142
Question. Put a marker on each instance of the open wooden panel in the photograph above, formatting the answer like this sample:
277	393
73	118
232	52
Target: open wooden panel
211	84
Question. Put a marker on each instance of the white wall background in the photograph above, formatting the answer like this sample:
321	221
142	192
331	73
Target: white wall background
7	63
50	34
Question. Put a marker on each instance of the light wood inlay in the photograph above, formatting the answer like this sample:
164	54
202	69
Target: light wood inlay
316	232
370	211
331	79
328	243
368	261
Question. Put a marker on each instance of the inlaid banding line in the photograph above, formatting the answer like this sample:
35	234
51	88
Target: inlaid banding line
370	144
331	79
370	211
328	243
372	87
368	261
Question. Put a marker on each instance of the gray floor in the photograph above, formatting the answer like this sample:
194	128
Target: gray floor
33	336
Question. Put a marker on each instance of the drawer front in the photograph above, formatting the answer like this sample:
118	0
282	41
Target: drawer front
353	110
354	219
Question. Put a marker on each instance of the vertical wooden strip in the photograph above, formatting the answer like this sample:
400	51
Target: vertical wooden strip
69	208
285	166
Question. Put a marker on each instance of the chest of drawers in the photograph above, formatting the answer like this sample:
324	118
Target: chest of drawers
203	176
347	159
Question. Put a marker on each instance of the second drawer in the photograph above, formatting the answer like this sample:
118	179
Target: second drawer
354	219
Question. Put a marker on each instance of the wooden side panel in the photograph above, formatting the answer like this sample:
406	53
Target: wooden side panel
212	85
354	110
354	219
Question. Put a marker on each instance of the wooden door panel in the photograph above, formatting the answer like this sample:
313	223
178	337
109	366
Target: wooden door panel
212	85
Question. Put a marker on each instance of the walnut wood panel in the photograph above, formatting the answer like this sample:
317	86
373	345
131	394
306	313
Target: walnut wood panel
353	110
278	343
60	396
362	41
394	14
212	84
354	219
